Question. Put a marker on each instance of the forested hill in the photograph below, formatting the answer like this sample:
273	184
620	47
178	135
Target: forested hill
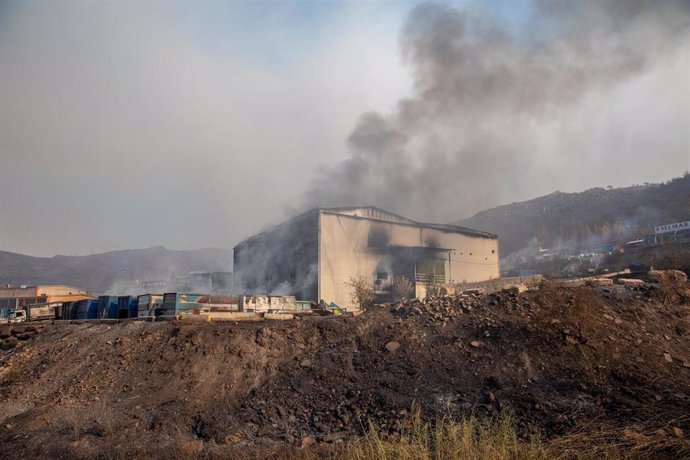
585	218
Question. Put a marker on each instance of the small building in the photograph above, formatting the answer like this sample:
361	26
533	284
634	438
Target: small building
315	255
45	296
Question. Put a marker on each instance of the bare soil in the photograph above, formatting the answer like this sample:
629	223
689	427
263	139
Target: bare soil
562	361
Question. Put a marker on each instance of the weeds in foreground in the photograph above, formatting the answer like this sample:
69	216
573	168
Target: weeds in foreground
447	439
468	438
497	439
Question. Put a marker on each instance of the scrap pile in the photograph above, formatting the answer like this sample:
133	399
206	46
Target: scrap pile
438	310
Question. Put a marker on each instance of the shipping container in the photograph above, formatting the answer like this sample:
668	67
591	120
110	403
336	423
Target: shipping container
87	309
149	304
107	306
92	312
81	309
175	303
269	303
126	306
68	310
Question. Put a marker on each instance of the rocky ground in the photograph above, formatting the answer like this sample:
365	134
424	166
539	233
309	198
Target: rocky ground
561	360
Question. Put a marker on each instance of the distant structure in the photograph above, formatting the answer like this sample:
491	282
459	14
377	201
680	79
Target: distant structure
200	281
316	254
196	281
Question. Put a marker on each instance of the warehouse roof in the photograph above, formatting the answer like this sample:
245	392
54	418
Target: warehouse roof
377	214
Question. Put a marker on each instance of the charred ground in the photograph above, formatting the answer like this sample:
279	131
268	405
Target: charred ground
604	359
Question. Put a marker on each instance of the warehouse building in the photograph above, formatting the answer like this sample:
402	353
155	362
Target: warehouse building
315	255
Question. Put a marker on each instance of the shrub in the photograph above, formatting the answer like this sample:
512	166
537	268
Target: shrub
362	291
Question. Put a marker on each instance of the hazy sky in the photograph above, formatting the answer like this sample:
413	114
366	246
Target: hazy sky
196	124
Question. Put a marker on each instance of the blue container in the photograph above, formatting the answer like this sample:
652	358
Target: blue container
126	306
81	309
92	309
107	306
123	302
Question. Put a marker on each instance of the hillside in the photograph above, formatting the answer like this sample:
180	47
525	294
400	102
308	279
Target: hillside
97	272
585	218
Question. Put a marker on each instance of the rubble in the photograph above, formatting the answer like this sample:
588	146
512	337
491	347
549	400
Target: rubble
392	346
11	336
8	343
629	282
599	282
673	276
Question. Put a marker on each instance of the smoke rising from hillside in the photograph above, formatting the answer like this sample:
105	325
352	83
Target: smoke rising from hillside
484	95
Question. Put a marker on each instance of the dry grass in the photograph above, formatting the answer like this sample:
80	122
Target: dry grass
497	439
447	439
402	287
467	438
187	448
641	441
671	292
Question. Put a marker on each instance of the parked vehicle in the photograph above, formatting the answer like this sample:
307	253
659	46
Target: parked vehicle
31	312
17	316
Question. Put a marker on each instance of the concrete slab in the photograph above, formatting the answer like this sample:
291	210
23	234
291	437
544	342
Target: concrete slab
630	282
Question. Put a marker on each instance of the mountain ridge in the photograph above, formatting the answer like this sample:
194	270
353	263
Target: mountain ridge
585	218
97	272
582	218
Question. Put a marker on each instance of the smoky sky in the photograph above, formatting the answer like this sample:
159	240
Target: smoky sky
123	125
493	107
184	124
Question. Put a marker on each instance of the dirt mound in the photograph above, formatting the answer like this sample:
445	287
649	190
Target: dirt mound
609	357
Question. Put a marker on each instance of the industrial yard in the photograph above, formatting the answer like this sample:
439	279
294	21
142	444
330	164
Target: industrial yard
346	323
597	364
345	230
612	358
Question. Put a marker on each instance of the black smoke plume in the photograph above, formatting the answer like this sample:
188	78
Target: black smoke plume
482	91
